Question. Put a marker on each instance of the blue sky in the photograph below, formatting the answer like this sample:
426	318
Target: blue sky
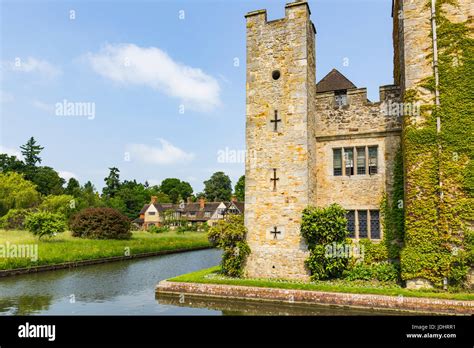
162	79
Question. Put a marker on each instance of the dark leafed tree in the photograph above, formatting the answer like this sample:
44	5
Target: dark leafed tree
47	180
176	189
112	183
30	152
11	164
239	189
218	187
73	187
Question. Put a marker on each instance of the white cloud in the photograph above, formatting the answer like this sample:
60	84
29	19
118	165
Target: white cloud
6	97
166	154
33	65
67	175
43	106
11	152
130	64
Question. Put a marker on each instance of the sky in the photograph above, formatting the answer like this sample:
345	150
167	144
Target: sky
157	88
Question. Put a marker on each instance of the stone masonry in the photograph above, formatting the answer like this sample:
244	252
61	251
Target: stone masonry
285	46
291	131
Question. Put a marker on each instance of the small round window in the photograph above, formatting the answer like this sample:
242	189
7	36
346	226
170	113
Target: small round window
276	74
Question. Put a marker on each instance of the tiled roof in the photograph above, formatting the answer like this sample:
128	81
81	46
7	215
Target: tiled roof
334	81
195	207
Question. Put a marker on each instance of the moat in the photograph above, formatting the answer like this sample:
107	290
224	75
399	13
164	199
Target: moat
128	288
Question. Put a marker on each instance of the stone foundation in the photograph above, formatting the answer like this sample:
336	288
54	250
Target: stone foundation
249	293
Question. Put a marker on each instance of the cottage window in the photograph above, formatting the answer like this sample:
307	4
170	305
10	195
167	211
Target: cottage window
337	162
207	214
151	213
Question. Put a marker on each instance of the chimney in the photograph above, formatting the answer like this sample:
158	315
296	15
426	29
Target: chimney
190	199
202	201
153	199
233	199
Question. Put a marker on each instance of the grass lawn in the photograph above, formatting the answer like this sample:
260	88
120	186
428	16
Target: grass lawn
212	276
65	248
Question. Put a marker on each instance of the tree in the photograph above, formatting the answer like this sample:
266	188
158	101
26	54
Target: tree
30	152
134	196
239	189
112	182
176	189
47	180
11	164
218	187
65	205
16	192
73	188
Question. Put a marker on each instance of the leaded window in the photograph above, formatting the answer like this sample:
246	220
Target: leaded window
374	224
337	162
373	160
360	160
362	215
350	216
349	160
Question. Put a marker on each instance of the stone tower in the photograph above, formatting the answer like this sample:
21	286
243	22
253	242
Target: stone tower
280	97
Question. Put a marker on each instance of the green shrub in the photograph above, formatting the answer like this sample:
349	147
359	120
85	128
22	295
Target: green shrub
229	235
323	266
45	223
61	204
322	227
156	229
182	229
382	271
15	219
100	223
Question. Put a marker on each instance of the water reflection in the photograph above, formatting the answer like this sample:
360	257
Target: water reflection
125	287
252	307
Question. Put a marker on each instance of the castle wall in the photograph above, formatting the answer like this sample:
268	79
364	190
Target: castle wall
286	45
358	124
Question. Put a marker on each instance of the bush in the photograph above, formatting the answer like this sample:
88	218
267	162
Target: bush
156	229
100	223
229	235
322	227
15	219
61	204
323	266
45	223
382	271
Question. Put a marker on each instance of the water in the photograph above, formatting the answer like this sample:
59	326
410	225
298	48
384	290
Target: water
128	288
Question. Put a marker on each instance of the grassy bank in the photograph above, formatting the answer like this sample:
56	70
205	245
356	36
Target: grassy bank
211	276
65	248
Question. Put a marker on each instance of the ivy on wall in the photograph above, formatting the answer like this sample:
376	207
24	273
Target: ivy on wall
438	217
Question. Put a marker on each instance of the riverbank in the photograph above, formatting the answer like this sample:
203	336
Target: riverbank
209	283
64	251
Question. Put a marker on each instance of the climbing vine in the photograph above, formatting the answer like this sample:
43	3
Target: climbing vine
438	216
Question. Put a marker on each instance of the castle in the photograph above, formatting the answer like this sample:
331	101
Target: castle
319	143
